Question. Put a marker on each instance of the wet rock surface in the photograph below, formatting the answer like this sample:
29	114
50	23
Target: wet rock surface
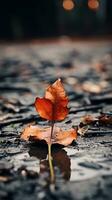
84	169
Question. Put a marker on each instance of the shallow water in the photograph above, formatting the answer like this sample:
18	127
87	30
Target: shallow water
75	163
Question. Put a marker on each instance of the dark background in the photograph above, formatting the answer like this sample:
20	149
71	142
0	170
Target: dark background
47	18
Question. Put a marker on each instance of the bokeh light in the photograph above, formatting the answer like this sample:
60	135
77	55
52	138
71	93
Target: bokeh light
68	5
93	4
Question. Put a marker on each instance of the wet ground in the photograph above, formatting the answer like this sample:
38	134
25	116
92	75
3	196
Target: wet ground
83	169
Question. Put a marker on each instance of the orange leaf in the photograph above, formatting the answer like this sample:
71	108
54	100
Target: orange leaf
105	119
59	136
54	105
56	93
44	107
88	119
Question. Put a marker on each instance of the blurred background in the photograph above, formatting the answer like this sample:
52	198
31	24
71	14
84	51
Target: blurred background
52	18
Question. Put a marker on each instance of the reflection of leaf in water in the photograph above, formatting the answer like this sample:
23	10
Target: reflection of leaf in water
63	162
39	151
60	159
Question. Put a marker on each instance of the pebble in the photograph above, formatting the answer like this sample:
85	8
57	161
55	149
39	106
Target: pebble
5	165
91	165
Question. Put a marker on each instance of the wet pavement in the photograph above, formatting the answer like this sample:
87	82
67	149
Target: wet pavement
84	168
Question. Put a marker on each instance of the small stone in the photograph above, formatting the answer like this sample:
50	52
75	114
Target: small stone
5	166
91	165
41	195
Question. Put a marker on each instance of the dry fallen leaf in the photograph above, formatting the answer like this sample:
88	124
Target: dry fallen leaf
63	137
82	130
88	119
105	119
54	105
100	66
3	178
91	87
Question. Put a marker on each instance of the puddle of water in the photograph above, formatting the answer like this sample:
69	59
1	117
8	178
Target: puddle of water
67	160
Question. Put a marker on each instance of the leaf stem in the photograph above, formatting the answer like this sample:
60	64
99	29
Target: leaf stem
50	155
50	164
52	127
